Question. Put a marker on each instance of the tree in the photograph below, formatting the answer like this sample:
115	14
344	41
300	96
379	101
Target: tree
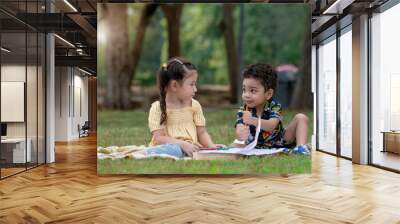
302	97
173	13
117	58
144	21
226	26
240	48
121	63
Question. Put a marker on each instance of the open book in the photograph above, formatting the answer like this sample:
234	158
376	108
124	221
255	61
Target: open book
233	153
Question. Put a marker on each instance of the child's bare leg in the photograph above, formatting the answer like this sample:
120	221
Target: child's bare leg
297	130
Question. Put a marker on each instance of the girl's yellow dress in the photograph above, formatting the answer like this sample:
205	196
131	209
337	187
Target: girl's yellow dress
181	123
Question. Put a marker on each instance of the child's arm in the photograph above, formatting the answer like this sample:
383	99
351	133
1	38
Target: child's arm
235	145
266	125
242	133
205	139
200	122
242	130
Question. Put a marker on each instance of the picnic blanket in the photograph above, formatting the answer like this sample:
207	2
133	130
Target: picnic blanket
116	152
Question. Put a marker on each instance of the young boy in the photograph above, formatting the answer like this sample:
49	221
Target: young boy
259	84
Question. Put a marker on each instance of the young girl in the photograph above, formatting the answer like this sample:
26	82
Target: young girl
176	121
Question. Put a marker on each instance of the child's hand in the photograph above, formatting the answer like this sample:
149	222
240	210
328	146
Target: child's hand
248	119
242	132
216	146
189	148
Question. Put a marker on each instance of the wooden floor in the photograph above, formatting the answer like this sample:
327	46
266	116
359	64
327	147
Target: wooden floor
10	171
69	191
387	159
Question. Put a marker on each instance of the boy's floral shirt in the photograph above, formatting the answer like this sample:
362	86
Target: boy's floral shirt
266	139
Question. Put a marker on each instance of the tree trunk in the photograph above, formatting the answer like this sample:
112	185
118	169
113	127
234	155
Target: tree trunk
173	13
147	13
121	63
117	57
239	78
302	97
226	26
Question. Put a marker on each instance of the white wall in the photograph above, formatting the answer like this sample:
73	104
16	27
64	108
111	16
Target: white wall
80	101
12	100
13	73
71	94
62	81
33	126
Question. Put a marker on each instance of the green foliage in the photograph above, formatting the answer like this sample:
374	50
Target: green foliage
273	33
150	59
202	41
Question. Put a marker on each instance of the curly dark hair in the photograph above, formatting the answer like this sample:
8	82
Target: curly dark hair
265	73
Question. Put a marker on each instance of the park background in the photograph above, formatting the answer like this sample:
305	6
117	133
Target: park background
220	39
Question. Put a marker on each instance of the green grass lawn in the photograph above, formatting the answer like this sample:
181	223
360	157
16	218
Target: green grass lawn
130	128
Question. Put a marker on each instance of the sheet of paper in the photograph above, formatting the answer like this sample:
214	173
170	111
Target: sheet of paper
249	149
259	152
255	152
228	151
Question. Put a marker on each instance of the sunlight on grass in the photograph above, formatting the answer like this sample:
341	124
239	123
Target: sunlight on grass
130	128
252	165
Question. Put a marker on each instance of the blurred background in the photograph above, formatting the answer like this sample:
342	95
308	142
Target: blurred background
220	39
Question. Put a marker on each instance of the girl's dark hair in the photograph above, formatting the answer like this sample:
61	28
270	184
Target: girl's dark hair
176	69
264	73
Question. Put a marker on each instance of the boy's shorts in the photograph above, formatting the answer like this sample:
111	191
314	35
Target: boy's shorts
278	142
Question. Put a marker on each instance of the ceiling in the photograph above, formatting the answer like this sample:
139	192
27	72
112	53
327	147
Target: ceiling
74	22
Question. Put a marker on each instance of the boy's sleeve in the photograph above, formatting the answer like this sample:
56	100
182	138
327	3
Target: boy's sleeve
198	116
155	117
239	116
276	111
